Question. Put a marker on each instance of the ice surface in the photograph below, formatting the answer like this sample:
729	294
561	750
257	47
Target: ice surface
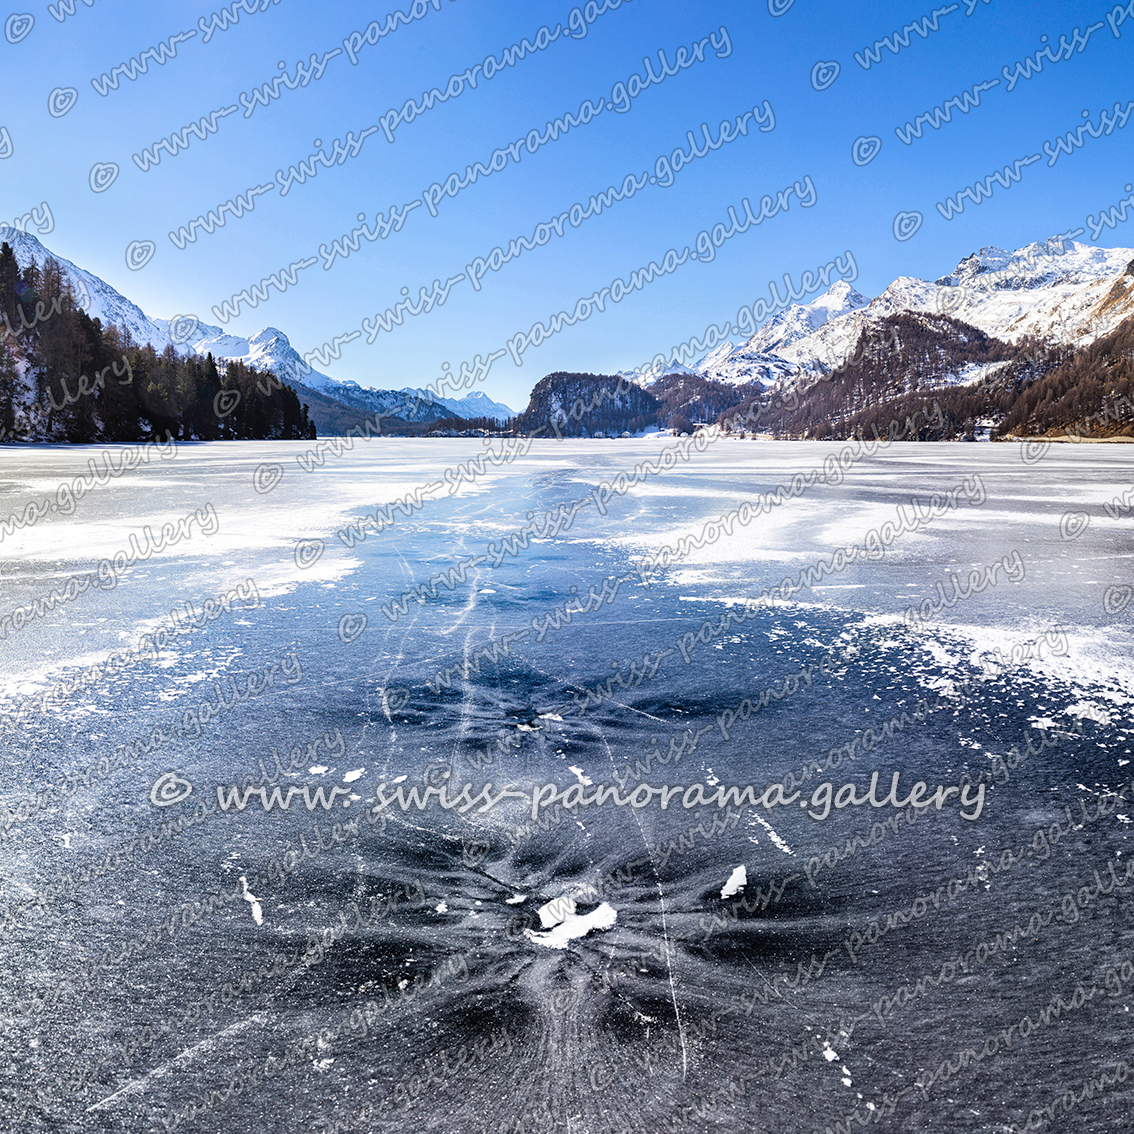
449	943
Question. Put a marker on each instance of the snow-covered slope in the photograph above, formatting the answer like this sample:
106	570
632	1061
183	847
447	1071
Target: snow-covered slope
799	321
479	404
797	338
1062	293
269	349
96	297
1039	291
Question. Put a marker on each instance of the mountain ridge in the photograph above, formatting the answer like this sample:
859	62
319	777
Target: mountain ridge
269	349
1045	298
1053	290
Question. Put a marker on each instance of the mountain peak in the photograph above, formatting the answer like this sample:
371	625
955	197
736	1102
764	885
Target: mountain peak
718	354
269	336
842	290
23	242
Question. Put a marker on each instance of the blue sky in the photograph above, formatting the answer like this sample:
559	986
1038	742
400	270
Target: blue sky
770	58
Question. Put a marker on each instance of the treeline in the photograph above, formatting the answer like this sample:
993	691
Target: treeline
906	374
1096	383
66	377
458	426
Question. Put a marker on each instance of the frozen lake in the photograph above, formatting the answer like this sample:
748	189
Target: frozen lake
375	957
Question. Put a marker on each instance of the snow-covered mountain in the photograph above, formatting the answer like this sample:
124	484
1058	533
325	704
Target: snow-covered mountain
476	404
799	321
1061	297
1059	292
269	349
96	297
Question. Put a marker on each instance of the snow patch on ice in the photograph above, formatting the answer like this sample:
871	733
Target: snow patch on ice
773	834
1091	711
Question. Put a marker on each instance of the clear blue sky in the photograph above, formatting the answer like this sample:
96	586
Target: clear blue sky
772	58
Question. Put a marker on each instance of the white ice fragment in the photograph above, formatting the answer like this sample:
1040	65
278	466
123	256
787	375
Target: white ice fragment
556	911
443	906
257	910
737	880
586	781
318	770
350	777
829	1053
516	899
602	917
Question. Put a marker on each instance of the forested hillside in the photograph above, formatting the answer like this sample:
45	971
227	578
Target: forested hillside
586	405
66	377
906	370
